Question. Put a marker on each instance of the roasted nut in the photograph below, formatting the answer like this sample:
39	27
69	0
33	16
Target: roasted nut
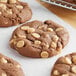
14	36
73	69
12	1
64	75
31	30
56	72
28	29
22	36
19	7
44	54
59	29
67	60
5	1
40	27
37	42
13	41
0	13
59	46
3	60
9	11
24	27
18	66
55	38
74	59
20	44
35	35
4	74
3	6
47	46
50	29
53	45
6	22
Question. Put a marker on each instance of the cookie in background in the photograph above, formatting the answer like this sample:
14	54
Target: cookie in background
14	12
9	67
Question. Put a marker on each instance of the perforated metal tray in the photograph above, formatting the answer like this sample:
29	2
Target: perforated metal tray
62	4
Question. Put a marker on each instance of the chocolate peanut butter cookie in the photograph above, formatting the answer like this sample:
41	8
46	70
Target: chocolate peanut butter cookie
65	66
9	67
13	12
39	39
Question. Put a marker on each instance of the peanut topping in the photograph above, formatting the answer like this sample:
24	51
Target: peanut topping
35	35
53	45
37	42
4	74
64	75
0	13
55	38
74	69
3	6
67	60
20	44
18	66
21	36
3	60
9	11
56	72
50	29
5	1
46	45
44	54
13	41
19	7
24	27
31	30
14	36
59	29
74	59
12	1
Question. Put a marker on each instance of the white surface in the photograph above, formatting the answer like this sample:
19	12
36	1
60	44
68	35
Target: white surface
36	67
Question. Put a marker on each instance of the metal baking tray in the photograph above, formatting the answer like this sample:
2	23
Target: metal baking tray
61	3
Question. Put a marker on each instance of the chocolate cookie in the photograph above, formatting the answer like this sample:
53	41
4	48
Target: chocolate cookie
39	39
65	66
9	67
13	12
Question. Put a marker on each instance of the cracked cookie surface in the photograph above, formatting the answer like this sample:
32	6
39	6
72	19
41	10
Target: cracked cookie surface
65	66
39	39
14	12
9	67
